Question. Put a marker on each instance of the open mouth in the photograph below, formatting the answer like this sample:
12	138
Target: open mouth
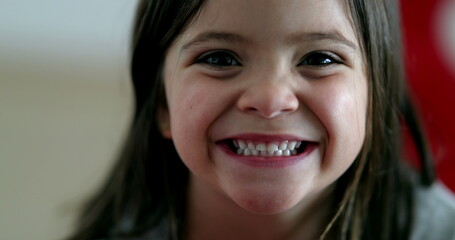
267	149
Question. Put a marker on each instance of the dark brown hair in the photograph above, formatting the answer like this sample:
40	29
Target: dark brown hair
378	198
148	183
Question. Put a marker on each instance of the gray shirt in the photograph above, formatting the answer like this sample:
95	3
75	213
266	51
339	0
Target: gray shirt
434	214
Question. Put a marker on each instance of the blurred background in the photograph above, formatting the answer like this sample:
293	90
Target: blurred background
65	101
429	41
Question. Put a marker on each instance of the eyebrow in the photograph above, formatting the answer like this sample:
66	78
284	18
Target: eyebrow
210	36
334	36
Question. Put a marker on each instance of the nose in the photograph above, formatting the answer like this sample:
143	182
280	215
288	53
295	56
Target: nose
268	99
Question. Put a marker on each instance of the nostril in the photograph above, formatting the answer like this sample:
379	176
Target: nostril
251	109
268	111
268	100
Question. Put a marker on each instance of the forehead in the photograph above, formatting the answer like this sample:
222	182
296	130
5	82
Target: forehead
273	20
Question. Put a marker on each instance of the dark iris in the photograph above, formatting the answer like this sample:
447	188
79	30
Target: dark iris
219	59
318	59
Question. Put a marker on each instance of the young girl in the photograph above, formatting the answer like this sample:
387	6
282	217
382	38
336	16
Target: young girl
267	119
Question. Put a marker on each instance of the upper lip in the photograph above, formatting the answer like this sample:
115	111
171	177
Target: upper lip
265	137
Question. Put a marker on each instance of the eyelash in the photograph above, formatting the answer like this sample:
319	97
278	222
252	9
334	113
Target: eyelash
226	59
219	59
320	59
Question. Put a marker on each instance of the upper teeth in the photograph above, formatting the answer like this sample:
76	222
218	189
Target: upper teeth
285	148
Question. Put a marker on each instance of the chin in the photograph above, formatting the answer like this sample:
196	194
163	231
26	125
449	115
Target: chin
267	205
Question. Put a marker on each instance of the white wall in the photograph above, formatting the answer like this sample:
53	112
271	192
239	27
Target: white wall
65	103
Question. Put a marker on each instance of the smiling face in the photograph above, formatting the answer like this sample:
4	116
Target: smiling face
267	100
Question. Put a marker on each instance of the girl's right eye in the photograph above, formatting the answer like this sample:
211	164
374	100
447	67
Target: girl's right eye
218	59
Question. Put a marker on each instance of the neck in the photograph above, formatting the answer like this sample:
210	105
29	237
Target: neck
212	215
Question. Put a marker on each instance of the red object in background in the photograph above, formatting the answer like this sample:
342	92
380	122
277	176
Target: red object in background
431	81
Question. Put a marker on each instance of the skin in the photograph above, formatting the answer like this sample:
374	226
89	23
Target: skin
265	82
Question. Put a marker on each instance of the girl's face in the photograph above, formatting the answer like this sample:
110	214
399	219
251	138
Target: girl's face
267	100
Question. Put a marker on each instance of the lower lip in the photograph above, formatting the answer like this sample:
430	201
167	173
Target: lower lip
270	162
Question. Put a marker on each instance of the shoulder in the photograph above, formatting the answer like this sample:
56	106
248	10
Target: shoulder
434	213
159	232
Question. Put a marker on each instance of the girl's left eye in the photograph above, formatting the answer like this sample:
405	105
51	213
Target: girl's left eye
320	59
218	59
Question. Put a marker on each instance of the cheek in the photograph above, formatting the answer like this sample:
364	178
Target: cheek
194	105
341	106
194	108
188	120
189	114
